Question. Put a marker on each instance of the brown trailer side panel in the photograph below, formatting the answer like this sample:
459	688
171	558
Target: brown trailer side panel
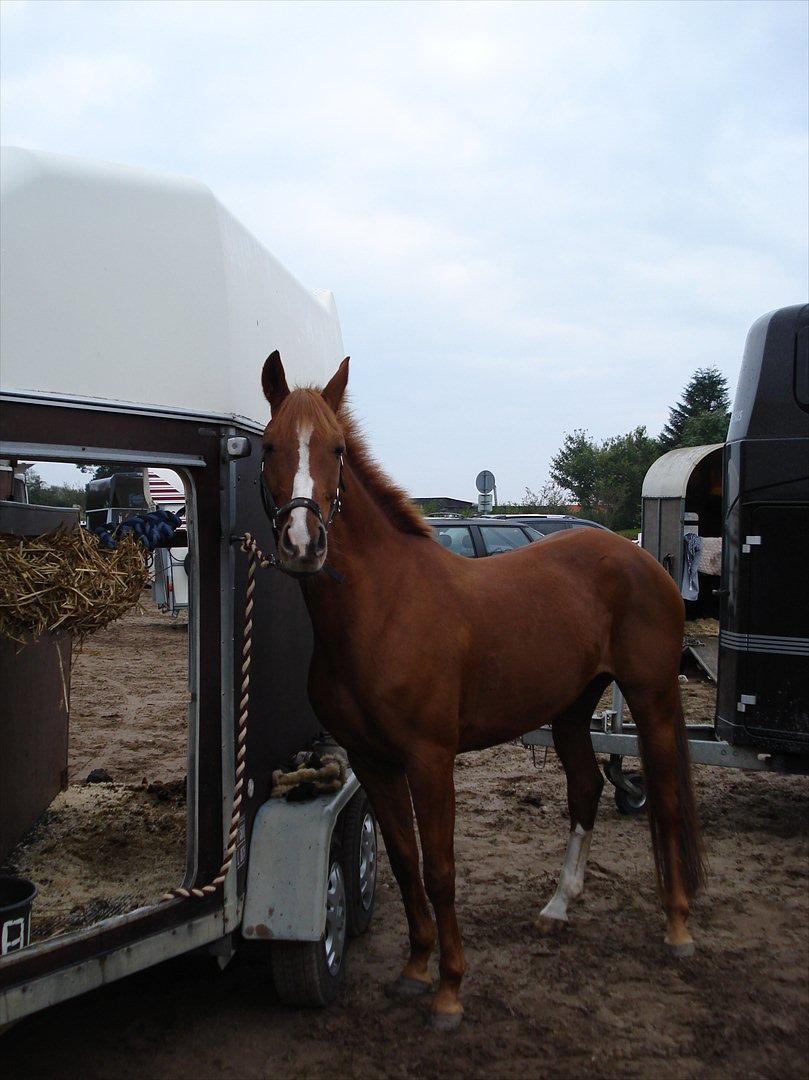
35	705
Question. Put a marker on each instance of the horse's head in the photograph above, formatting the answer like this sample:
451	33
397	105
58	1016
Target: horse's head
302	460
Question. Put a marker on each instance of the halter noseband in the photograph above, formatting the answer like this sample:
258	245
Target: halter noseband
275	512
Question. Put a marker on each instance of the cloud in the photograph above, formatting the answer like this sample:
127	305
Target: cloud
64	89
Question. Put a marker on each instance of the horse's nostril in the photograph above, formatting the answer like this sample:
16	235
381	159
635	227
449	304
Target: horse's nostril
320	543
286	544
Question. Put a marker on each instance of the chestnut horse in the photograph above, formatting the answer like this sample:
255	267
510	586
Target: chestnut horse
420	654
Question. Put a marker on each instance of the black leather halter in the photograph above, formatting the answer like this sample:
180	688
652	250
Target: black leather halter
275	512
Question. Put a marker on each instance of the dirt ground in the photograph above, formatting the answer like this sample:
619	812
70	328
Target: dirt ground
602	1000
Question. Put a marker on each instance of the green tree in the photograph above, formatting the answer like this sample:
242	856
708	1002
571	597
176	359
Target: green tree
623	462
43	494
547	499
704	429
101	472
606	478
575	469
703	413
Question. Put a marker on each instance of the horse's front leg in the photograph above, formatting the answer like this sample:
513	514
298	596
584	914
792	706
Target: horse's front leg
386	787
433	789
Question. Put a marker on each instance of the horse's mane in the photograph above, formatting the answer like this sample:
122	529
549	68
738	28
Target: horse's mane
389	497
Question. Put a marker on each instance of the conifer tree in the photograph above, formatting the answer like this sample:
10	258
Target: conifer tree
703	413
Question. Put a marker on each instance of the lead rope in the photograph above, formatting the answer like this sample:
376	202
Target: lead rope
256	557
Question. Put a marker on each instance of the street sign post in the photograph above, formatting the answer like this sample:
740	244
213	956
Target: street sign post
486	484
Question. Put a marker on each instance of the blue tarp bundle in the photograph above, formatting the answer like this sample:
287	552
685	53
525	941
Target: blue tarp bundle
153	530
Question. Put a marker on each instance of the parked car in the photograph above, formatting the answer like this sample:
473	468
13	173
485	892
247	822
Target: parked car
551	523
477	537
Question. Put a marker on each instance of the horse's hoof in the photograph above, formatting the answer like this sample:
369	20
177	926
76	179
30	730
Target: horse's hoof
548	927
404	988
445	1021
681	950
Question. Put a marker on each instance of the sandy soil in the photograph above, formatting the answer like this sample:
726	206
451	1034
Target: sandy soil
603	1000
129	700
102	850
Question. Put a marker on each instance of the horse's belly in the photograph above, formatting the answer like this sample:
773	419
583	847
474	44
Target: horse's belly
512	694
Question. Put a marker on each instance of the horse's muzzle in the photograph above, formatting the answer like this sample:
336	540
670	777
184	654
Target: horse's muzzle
300	556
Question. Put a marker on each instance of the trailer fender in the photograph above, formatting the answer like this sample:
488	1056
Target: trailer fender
287	868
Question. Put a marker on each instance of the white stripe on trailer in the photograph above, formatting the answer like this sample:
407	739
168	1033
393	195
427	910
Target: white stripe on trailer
165	490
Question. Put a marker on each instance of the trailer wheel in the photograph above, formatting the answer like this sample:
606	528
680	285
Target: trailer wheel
310	973
631	804
359	862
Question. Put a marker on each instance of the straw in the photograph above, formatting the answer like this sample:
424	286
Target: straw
66	581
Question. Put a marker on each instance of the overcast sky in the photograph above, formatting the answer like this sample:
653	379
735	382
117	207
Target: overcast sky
535	217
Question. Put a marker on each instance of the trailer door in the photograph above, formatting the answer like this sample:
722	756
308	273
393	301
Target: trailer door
775	668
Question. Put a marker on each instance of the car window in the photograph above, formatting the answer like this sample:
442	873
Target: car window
457	538
548	527
534	534
499	538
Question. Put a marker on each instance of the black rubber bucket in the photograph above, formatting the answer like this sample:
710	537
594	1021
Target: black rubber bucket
16	897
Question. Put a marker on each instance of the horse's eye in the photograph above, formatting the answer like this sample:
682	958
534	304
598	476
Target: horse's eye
339	450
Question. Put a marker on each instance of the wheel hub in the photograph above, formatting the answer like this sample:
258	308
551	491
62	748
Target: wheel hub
335	937
367	868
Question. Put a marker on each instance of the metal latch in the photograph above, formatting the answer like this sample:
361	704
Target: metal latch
750	541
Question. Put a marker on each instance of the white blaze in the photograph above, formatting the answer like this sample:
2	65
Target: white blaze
571	880
302	488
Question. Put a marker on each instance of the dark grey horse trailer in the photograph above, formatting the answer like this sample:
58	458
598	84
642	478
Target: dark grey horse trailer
763	695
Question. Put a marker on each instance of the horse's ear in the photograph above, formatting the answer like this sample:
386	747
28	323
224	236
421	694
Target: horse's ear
333	392
273	380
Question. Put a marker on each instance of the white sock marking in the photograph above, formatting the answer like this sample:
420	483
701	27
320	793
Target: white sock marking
302	488
571	879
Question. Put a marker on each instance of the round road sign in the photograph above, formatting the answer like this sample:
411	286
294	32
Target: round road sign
485	482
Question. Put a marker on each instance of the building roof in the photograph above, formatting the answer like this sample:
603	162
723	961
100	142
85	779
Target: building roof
127	285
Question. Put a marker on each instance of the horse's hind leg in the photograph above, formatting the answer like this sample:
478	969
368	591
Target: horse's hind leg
571	740
386	787
673	817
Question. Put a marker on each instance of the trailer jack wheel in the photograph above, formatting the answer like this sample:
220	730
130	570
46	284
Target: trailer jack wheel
630	788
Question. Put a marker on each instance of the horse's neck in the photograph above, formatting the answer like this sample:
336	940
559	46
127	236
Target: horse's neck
367	550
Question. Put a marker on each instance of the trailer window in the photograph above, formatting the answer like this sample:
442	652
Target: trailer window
94	745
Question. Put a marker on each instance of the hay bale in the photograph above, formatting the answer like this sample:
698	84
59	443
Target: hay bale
66	581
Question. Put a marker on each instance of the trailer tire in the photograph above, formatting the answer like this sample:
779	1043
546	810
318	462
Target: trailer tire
629	804
359	862
310	973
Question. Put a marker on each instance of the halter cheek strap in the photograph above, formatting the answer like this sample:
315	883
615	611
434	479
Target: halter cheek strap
275	513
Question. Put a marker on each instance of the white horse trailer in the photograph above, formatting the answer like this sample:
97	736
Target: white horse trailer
136	315
170	566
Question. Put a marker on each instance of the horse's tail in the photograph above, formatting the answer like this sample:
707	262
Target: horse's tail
661	777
